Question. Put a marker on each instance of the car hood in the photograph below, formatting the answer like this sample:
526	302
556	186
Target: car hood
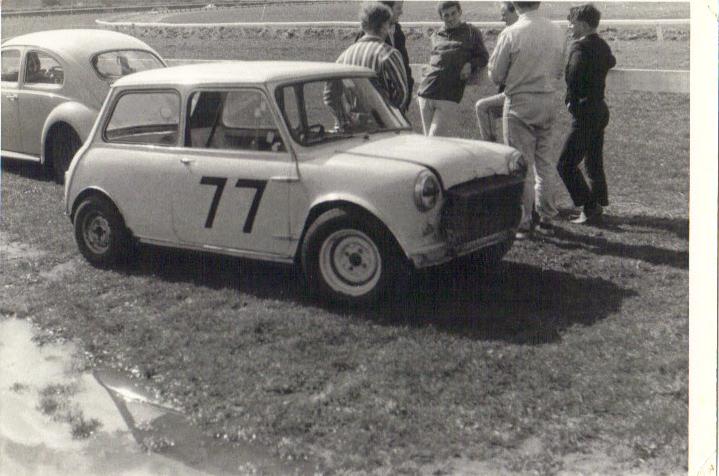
455	160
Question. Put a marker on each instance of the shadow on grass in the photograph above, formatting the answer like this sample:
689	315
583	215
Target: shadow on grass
566	239
677	226
27	169
519	303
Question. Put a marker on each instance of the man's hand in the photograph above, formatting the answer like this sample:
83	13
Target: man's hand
466	72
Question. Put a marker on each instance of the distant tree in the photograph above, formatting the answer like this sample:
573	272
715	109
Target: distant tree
50	3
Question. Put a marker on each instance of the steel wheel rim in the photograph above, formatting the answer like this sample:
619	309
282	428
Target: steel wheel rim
97	233
350	262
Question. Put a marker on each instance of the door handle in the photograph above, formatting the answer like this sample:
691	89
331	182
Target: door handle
11	97
187	160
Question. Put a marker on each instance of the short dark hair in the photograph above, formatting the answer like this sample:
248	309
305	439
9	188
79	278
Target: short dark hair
447	5
509	5
586	13
373	15
525	5
389	4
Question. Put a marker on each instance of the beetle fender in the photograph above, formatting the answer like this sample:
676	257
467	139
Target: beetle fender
78	116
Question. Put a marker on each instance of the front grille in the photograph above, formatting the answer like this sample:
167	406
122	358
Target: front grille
480	208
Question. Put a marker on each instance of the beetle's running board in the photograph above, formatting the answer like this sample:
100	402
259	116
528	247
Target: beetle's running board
18	155
223	251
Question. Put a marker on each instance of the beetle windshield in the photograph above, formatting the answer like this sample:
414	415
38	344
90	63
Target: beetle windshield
325	110
112	65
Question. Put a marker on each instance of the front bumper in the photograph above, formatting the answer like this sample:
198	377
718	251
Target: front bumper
441	253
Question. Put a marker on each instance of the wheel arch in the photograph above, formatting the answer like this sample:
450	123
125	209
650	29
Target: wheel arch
92	191
73	115
318	209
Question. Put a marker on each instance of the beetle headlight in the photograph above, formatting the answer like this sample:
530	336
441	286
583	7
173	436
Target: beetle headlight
426	190
517	164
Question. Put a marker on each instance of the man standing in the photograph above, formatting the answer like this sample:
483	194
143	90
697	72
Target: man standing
490	109
458	54
529	61
398	41
590	59
372	52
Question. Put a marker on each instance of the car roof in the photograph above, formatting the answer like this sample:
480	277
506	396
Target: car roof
240	72
78	42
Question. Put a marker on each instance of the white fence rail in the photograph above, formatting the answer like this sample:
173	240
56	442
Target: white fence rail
649	80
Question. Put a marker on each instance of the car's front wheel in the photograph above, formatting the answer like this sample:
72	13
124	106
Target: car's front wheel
100	232
349	257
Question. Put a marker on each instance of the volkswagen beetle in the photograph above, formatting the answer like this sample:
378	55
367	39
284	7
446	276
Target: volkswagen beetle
53	84
294	162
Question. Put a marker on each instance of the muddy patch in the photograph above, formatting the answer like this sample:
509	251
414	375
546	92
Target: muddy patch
13	250
60	271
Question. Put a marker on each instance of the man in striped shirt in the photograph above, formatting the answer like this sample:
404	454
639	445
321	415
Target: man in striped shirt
372	52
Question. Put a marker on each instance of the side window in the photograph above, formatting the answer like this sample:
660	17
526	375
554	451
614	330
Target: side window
10	65
145	118
234	120
287	99
41	68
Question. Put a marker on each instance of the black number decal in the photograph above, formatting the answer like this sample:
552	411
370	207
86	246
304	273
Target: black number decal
218	182
259	186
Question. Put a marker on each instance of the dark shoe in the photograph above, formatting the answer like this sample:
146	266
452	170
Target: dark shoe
589	215
544	228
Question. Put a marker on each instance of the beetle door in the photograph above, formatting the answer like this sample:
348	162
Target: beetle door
41	92
11	137
232	184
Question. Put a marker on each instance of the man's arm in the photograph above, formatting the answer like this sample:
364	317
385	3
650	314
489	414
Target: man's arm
499	62
574	74
480	56
395	78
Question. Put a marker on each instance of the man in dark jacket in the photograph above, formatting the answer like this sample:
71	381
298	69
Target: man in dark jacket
398	41
590	59
457	57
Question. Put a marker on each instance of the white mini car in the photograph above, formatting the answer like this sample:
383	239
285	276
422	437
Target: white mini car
53	85
294	162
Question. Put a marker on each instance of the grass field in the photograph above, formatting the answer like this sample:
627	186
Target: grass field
573	357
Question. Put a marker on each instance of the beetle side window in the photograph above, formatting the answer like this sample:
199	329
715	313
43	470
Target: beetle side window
41	68
10	65
232	120
145	118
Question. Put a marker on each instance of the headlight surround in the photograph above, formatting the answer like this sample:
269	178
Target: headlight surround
426	191
517	165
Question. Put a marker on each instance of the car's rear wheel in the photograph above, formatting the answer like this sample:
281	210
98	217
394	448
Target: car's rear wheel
351	258
64	143
100	232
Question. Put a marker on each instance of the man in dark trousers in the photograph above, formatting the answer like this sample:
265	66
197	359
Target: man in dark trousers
590	59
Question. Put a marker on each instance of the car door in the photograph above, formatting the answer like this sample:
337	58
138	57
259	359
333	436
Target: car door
41	91
231	189
11	133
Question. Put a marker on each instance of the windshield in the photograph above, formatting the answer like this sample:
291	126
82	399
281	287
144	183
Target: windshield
321	111
112	65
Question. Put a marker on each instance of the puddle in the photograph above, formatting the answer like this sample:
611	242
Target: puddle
55	420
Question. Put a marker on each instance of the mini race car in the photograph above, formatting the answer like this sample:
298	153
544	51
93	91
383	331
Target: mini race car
294	162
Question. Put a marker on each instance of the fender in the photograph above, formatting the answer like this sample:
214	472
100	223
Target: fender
77	115
72	202
351	199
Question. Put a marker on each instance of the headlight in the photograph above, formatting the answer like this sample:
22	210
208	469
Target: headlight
517	165
426	191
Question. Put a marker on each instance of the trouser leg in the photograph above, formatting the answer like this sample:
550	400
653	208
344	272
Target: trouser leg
595	169
573	152
488	110
545	171
426	113
518	135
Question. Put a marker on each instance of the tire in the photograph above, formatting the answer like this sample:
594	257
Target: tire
351	258
64	143
100	232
